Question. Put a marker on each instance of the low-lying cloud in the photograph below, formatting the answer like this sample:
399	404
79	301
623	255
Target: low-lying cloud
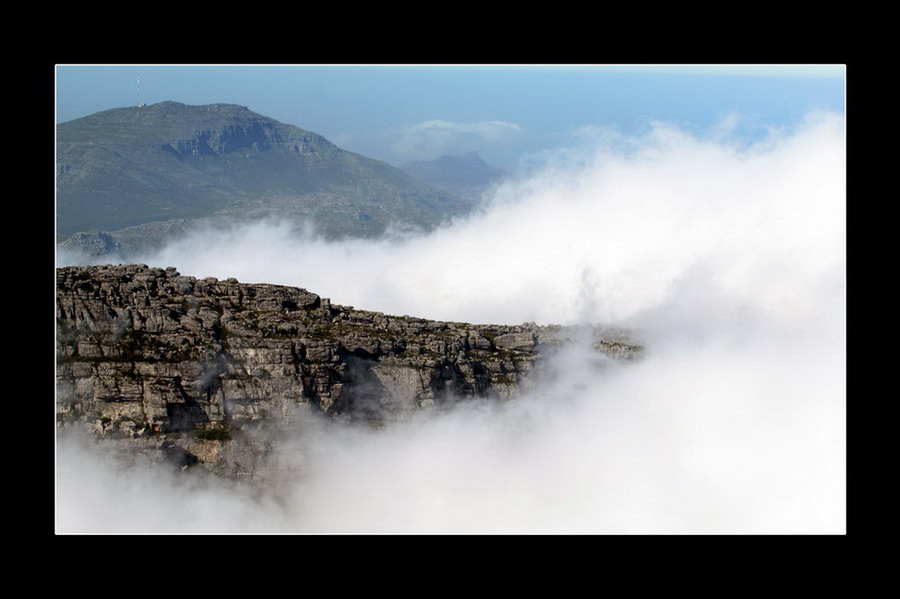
726	259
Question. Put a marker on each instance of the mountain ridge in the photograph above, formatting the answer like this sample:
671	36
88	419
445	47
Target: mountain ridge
126	167
167	364
467	175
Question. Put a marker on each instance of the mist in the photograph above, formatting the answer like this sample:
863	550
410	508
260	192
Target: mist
725	258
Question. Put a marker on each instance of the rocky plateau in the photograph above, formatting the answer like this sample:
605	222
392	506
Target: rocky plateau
189	372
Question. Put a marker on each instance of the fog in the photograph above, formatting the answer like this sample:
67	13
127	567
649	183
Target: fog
725	258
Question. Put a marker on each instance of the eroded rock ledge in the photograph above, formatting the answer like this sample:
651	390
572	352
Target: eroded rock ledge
145	353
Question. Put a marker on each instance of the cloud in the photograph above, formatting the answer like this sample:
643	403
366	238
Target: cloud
726	258
435	138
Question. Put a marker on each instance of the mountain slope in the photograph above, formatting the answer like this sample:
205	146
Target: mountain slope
132	166
466	175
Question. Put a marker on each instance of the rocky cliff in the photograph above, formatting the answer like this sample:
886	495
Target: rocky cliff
185	365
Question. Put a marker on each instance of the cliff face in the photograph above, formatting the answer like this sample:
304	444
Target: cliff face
184	364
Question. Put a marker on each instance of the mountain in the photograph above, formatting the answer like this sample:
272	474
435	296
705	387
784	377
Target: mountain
128	167
178	366
467	175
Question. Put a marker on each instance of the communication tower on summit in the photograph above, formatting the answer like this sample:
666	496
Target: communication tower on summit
140	102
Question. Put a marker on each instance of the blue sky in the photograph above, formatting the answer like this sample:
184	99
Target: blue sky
403	112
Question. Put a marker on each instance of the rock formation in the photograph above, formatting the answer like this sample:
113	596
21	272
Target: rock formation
185	365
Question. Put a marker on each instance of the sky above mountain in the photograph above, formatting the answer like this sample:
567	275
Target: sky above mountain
509	114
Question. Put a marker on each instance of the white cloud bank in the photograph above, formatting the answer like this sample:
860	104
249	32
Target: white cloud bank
728	261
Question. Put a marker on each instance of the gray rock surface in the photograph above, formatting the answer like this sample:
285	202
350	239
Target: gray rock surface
188	368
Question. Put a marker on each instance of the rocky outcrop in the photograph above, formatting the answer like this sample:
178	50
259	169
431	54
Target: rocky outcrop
185	364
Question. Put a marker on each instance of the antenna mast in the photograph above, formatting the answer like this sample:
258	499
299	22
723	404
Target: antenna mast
140	102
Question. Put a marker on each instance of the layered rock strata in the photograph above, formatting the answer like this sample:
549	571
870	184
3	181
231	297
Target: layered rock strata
185	364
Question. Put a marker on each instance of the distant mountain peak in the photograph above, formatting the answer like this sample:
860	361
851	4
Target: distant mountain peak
127	167
466	174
